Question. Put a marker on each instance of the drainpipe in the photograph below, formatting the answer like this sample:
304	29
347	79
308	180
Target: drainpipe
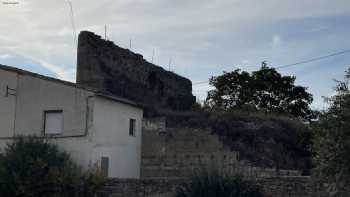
86	130
15	118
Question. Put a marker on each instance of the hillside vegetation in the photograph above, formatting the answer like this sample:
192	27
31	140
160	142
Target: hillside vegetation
264	140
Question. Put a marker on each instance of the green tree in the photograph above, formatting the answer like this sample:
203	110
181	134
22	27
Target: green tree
263	90
33	167
332	141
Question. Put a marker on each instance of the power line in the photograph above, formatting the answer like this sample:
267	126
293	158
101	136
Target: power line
314	59
297	63
198	83
72	21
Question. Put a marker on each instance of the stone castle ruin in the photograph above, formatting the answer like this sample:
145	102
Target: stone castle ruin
171	148
108	68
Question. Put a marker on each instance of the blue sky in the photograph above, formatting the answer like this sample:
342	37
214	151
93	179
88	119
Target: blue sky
202	37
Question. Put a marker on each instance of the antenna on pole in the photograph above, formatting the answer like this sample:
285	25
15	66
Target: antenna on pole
130	43
170	60
152	56
105	32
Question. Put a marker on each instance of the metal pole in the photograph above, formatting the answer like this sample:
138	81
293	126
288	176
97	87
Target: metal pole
152	56
170	62
105	32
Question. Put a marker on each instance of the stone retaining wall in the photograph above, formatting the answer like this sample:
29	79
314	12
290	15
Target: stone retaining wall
299	186
166	187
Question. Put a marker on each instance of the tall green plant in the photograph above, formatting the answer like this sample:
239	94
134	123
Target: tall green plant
332	142
33	167
213	183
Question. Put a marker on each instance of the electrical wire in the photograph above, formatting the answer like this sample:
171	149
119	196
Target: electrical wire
297	63
72	21
314	59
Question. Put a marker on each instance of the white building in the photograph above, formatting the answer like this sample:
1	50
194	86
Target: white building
97	130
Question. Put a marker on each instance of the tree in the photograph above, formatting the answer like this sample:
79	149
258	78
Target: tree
263	90
33	167
332	141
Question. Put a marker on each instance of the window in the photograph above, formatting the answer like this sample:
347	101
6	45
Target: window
53	122
132	127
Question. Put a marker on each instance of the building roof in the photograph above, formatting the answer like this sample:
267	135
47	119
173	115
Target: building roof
25	72
67	83
118	99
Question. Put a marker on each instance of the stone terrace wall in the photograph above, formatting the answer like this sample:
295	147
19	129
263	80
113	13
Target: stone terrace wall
289	186
140	187
175	152
271	187
104	66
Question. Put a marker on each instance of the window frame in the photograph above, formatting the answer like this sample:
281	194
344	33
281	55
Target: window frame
132	127
45	119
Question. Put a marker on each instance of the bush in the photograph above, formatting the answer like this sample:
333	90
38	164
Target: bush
267	142
264	140
212	183
33	167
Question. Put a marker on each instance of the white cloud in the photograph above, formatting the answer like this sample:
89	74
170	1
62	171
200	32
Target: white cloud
61	73
245	62
203	36
276	41
5	56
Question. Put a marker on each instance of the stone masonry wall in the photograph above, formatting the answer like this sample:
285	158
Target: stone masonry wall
108	68
175	152
271	187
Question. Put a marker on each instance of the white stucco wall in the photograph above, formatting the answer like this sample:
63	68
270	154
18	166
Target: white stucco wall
38	95
108	136
93	126
7	103
112	137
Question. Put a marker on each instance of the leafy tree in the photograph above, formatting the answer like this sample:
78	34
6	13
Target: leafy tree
265	89
33	167
332	141
213	183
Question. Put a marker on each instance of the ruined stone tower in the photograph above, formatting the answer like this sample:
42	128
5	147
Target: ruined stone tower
108	68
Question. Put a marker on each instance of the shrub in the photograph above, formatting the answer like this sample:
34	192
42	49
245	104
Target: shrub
212	183
33	167
264	140
268	142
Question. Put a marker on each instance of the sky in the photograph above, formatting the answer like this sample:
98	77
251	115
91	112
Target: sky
201	38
